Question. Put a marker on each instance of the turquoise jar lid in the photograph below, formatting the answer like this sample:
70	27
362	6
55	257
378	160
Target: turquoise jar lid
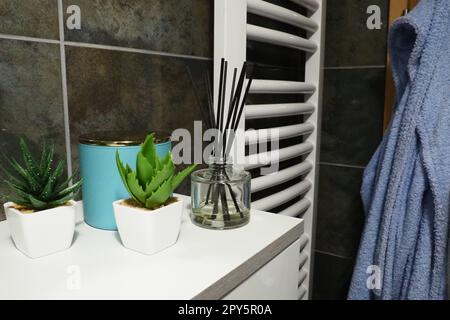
120	138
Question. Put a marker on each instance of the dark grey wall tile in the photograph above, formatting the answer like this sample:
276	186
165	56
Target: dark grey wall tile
348	40
110	90
29	18
182	26
340	215
30	97
352	120
332	276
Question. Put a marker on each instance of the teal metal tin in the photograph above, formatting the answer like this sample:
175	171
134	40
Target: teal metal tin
102	184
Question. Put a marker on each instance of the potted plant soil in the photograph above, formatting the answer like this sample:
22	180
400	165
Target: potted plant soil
41	211
150	220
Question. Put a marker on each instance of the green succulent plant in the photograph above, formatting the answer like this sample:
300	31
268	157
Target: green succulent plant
154	180
37	185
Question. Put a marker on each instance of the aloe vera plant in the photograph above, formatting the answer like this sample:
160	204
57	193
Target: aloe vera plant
154	180
39	185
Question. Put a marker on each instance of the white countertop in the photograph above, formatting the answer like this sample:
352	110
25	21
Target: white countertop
202	264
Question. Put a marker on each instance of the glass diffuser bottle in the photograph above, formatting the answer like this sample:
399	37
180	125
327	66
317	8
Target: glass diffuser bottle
220	196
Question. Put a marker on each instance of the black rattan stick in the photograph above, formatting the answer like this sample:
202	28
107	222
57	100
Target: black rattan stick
210	101
238	119
216	201
235	105
233	85
230	113
238	92
208	194
219	104
197	98
224	91
223	197
222	107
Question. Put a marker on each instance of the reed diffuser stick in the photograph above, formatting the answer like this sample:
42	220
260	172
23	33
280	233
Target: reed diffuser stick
209	119
210	100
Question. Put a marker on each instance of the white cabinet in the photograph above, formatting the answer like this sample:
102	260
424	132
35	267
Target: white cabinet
274	281
258	261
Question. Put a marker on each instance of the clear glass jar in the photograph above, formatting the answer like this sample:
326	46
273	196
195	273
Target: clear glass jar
220	196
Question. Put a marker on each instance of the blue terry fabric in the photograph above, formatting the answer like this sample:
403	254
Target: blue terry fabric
406	186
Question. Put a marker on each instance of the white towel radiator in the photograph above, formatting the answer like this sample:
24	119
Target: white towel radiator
231	34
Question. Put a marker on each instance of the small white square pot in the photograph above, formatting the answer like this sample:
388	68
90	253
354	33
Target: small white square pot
148	231
43	232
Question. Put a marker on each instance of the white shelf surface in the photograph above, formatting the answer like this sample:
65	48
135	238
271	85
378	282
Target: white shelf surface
202	264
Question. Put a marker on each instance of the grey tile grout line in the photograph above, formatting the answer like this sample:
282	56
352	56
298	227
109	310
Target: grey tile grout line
341	165
103	47
334	255
62	51
29	39
356	67
133	50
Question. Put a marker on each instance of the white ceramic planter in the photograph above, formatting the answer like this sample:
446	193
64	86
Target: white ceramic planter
44	232
148	231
